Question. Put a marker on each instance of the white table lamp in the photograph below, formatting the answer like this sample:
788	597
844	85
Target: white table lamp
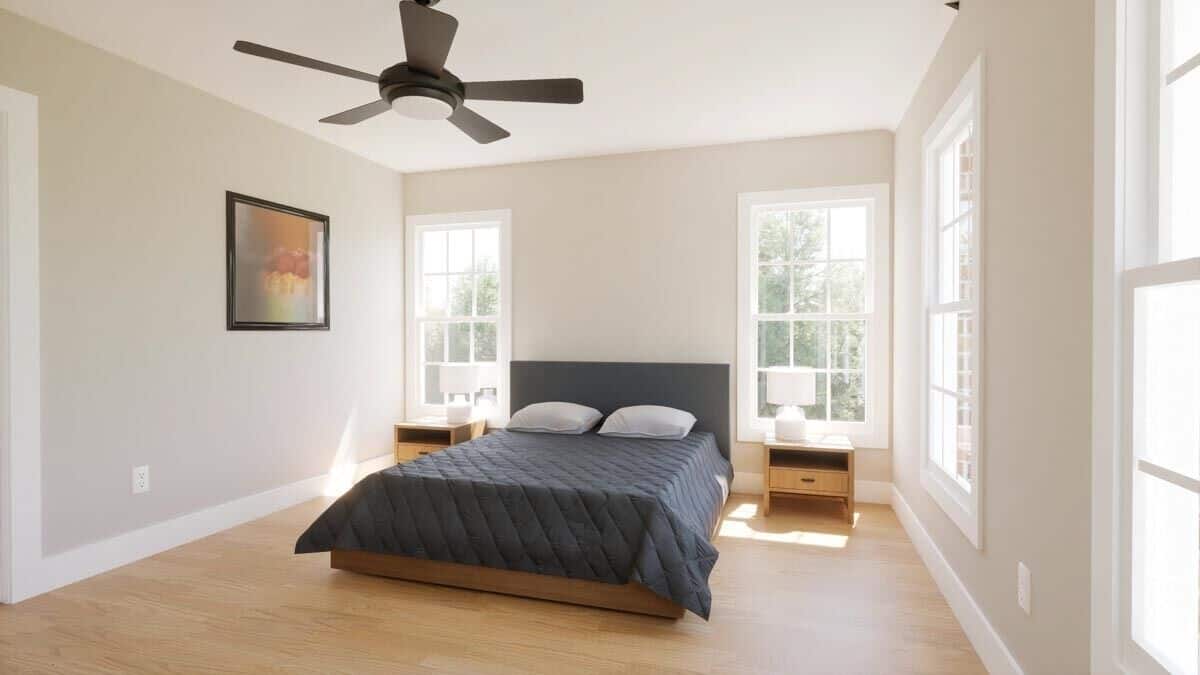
489	384
791	389
460	381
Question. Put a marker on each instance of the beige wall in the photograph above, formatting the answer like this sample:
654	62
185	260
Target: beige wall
137	365
1037	244
634	257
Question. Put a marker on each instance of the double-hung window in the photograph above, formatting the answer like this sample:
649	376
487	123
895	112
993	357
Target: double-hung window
953	311
459	309
1159	346
813	292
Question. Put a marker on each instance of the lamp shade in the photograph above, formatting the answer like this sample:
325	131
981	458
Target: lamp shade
489	376
458	378
792	386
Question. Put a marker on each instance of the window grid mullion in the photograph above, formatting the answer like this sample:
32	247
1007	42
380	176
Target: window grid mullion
828	309
791	272
828	265
1164	474
952	307
851	371
828	395
446	326
790	240
474	279
959	218
460	318
474	305
958	395
857	316
1182	70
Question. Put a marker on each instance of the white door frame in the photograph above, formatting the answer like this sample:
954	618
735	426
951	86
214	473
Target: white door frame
1108	263
20	351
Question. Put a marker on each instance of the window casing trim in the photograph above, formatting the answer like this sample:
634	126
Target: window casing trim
414	225
964	106
873	433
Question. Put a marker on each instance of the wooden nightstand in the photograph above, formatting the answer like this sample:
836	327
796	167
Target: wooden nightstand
427	435
820	466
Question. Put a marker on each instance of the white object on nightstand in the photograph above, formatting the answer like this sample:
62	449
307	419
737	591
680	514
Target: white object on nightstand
489	385
460	381
791	389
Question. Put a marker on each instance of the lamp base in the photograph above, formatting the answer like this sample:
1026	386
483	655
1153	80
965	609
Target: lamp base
458	411
790	424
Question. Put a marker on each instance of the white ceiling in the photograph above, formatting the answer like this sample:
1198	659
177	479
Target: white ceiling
657	73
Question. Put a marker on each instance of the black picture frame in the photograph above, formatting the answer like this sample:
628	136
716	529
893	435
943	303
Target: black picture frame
232	199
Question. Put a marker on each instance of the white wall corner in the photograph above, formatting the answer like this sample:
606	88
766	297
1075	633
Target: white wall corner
745	483
983	636
873	492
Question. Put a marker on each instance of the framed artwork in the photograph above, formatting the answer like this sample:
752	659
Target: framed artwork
277	266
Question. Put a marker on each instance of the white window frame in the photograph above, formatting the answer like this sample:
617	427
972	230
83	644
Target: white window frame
873	432
965	105
1131	252
1136	659
22	568
415	225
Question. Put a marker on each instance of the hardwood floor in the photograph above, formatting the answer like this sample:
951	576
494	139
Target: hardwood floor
793	593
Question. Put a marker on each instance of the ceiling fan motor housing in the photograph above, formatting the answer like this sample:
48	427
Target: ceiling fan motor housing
400	81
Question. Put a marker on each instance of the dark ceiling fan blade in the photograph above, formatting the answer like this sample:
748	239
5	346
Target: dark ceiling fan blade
476	126
359	114
297	60
428	35
530	91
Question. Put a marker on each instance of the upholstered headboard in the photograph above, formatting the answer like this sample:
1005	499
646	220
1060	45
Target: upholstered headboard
699	388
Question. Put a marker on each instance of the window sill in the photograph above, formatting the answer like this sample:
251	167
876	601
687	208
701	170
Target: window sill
955	502
862	435
494	421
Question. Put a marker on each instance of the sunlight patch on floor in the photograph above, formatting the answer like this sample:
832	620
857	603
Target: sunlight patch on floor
743	511
741	530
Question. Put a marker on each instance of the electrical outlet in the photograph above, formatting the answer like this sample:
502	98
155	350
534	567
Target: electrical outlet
141	479
1024	587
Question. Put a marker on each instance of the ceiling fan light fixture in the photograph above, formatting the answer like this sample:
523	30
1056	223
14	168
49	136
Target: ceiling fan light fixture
421	88
419	106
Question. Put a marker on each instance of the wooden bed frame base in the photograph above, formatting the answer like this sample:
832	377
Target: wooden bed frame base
631	597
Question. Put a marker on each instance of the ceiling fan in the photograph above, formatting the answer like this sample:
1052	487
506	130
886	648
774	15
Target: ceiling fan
421	88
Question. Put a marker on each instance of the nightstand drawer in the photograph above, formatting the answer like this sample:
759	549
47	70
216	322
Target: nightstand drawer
805	480
406	452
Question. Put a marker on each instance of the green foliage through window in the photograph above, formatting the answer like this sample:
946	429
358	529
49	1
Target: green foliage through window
461	301
812	304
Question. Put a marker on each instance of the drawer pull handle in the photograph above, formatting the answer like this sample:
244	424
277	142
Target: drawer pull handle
808	480
423	452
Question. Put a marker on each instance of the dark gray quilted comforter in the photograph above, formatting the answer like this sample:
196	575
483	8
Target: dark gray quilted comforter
586	507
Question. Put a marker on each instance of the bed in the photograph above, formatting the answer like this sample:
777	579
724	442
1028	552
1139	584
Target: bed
618	523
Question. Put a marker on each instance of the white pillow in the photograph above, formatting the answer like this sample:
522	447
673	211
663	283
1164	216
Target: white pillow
648	421
555	418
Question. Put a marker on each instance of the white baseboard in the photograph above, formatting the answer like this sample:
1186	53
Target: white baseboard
987	642
865	491
369	466
873	491
91	559
747	483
